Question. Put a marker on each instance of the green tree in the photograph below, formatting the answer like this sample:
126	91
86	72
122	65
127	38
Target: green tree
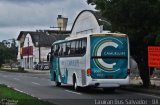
8	52
138	19
2	47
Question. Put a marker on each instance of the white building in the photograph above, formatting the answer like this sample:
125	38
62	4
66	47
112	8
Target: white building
89	21
34	46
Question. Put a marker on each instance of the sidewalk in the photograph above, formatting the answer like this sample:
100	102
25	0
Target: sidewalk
136	86
27	70
154	82
37	71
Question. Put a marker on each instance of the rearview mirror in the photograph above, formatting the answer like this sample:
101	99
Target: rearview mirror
48	56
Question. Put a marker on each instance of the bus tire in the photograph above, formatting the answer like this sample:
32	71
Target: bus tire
75	86
56	82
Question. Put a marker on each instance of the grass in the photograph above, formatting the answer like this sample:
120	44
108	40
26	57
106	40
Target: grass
13	70
9	96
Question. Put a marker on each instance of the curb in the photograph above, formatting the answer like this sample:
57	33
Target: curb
37	71
142	90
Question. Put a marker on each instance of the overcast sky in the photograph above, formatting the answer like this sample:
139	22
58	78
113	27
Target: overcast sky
27	15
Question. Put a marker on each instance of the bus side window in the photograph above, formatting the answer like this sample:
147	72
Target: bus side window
80	47
72	49
84	45
68	45
64	49
76	49
60	50
56	50
66	52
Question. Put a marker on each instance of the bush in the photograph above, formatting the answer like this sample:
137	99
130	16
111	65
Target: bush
20	68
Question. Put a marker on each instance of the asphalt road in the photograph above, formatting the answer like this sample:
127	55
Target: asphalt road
39	85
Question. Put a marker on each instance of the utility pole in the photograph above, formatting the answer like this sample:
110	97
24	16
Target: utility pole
39	48
28	54
38	45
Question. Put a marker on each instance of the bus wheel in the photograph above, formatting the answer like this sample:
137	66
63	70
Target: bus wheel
109	90
75	86
56	82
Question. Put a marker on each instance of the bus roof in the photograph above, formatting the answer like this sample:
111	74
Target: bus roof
59	41
109	34
93	34
97	34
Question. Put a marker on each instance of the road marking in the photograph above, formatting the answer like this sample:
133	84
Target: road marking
19	90
16	79
23	92
72	92
35	83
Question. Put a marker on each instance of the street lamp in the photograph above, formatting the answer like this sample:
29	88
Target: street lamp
107	23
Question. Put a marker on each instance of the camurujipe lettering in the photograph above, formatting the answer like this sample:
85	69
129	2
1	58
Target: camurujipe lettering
115	53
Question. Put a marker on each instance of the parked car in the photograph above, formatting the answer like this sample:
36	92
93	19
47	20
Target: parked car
42	66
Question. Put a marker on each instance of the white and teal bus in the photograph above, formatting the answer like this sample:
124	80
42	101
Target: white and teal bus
97	60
